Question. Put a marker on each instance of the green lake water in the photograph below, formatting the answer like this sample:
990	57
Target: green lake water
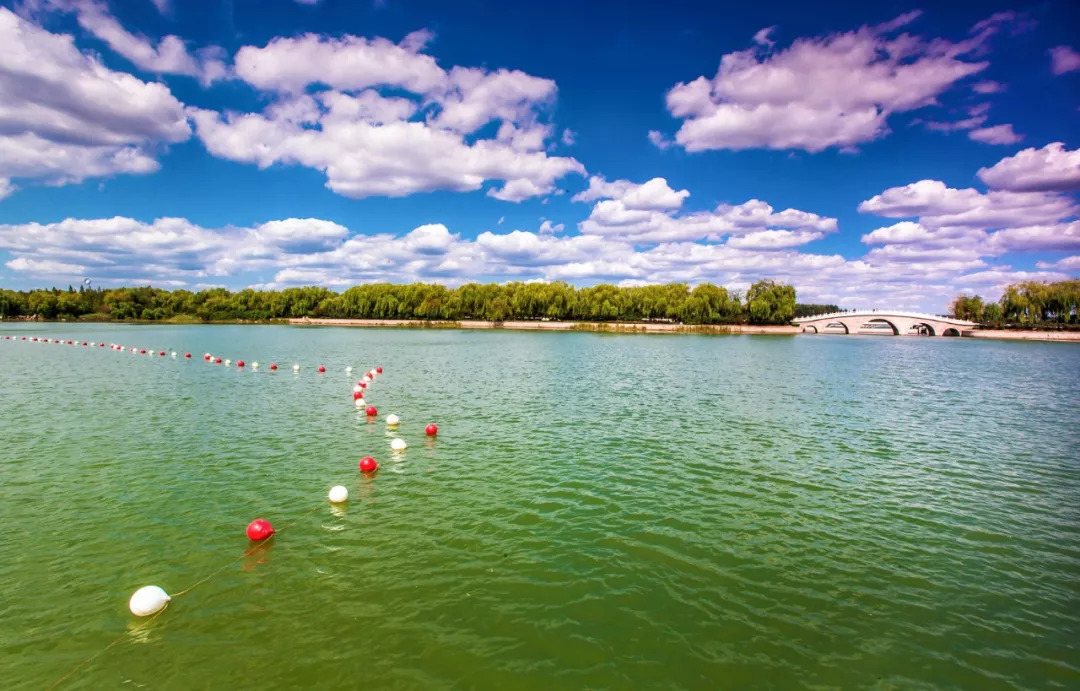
598	511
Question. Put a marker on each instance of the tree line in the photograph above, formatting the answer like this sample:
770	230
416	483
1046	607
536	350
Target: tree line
766	302
1027	304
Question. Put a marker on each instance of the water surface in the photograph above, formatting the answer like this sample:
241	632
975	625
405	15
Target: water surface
598	511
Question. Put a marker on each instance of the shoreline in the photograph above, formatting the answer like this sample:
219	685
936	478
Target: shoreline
1020	335
603	327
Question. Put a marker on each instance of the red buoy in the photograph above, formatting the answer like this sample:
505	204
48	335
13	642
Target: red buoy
239	363
142	351
273	367
368	465
69	342
217	361
259	529
187	355
371	411
431	430
206	357
362	384
321	369
357	394
379	370
84	342
161	353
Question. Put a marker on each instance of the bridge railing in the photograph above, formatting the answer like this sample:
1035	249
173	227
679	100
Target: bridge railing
881	313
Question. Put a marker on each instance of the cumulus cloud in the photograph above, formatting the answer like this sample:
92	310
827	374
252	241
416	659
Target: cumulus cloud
987	87
1064	59
998	134
969	224
836	90
1051	168
169	56
647	213
383	118
65	117
1067	264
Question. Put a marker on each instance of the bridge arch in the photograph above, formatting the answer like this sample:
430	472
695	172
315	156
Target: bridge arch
951	332
809	329
834	327
880	320
920	326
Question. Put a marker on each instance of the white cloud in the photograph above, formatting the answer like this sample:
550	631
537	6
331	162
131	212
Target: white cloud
1067	264
646	214
832	91
998	134
65	117
170	56
987	87
1064	59
1051	168
968	224
659	140
762	37
569	137
347	63
163	6
418	137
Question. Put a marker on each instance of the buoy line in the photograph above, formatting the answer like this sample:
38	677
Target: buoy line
259	545
151	601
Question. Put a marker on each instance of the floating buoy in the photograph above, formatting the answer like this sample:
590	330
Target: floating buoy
148	600
348	370
368	378
371	411
255	365
239	363
359	402
173	353
362	384
142	351
296	368
357	389
338	494
259	529
378	370
392	420
84	342
431	430
398	444
368	465
227	362
357	395
160	352
187	355
272	367
321	369
217	361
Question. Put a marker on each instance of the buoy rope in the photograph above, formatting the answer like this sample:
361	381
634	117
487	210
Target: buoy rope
106	649
247	553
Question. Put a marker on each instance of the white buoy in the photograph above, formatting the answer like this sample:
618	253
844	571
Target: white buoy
174	355
359	403
348	370
254	365
398	444
148	600
367	378
296	368
338	494
392	420
357	388
228	362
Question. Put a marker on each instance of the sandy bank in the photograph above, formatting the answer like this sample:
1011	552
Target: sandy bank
614	327
1010	335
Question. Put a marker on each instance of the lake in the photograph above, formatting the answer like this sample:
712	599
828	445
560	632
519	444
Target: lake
597	511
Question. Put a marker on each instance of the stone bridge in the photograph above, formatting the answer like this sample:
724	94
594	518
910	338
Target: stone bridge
884	322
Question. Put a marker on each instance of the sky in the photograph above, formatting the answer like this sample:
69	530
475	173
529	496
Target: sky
888	155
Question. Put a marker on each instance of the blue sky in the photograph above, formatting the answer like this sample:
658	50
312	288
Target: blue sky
874	155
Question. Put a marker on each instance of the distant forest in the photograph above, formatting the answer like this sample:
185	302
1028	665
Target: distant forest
1025	305
766	302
